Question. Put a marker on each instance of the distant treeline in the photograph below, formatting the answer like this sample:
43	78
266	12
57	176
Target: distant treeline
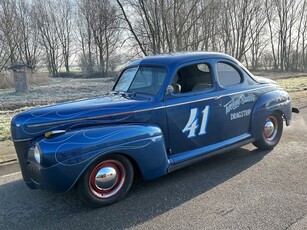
99	35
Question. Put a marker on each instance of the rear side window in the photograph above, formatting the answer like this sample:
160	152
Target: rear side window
192	78
227	75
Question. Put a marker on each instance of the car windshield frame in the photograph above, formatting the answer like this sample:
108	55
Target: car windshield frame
141	79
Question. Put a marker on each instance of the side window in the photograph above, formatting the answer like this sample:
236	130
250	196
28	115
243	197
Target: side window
227	75
196	77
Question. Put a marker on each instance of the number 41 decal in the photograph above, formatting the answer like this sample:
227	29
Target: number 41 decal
192	125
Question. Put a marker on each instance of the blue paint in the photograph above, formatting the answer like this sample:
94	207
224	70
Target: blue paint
146	128
185	156
75	151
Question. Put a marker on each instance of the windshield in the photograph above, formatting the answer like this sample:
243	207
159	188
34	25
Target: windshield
141	79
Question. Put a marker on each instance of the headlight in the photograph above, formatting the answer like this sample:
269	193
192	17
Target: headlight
37	154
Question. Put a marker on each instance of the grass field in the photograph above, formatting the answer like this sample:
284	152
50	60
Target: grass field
294	84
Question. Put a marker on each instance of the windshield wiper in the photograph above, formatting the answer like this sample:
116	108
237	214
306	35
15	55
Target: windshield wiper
129	94
125	93
118	92
132	93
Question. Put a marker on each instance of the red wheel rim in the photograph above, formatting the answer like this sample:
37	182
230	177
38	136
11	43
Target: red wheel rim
107	179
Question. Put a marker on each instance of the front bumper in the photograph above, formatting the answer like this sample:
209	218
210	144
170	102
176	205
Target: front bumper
57	178
295	110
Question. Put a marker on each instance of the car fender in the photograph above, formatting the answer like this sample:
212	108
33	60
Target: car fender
74	151
265	105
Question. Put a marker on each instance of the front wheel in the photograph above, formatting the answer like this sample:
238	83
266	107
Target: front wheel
106	181
271	132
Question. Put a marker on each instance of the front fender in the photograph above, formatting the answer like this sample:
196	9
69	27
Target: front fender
266	104
74	151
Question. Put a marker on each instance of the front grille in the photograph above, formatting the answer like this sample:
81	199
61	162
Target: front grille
34	172
21	150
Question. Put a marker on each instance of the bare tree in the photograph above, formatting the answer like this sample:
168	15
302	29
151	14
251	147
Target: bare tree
298	57
265	31
45	16
287	15
99	31
166	26
304	40
85	37
237	19
27	39
4	51
282	18
257	35
63	28
131	28
8	30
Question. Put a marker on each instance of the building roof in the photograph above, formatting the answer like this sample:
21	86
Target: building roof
16	67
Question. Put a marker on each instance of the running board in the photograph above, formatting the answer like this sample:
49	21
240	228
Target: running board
209	154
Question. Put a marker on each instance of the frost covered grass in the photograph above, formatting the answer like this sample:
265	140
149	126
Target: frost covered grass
5	126
58	90
54	91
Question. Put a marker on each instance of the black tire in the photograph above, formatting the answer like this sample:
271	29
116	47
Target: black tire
271	132
106	181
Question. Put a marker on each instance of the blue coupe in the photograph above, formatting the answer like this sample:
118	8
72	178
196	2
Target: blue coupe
164	112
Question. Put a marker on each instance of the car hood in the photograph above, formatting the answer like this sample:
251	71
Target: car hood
110	109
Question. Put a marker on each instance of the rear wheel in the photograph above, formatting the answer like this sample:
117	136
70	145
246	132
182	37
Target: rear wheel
106	181
271	132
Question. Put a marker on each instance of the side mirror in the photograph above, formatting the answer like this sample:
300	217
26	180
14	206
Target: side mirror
169	89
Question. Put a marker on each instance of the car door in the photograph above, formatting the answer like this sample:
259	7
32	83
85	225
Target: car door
237	100
192	109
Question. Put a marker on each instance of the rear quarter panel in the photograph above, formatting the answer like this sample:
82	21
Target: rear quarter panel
277	100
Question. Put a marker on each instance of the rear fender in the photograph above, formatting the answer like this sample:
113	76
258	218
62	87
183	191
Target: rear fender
266	104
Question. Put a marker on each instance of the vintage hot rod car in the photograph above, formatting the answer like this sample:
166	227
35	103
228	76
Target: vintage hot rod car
163	113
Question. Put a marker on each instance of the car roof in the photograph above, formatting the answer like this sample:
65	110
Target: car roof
179	58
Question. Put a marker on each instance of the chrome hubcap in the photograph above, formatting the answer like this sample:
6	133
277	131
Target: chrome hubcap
270	128
106	178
